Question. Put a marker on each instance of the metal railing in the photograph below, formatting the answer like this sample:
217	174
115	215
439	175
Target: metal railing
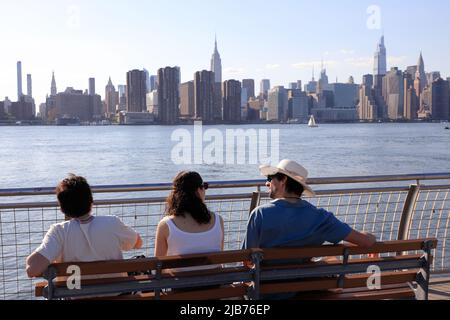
366	203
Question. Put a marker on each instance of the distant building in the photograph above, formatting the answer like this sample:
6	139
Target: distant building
410	103
204	93
74	103
323	81
249	84
169	95
19	80
421	75
153	83
334	115
2	110
298	105
92	86
29	86
264	88
433	76
380	63
231	101
293	86
371	103
440	100
111	99
152	103
122	89
53	90
187	100
22	109
393	93
216	64
412	70
135	118
278	105
136	91
345	94
254	109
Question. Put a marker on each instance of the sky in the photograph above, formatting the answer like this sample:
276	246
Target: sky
278	40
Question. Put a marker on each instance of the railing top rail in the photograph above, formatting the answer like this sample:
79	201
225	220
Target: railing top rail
231	184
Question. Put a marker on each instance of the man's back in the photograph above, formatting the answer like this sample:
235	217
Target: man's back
285	224
100	238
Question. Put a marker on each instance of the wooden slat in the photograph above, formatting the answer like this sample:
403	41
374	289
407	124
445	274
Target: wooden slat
353	281
338	263
136	265
235	291
338	250
402	291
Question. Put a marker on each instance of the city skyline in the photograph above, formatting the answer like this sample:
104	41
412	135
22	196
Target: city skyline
83	50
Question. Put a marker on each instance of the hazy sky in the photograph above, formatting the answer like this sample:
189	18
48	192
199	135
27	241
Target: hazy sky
279	40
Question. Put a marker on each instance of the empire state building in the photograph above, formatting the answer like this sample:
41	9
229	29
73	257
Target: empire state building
380	65
216	65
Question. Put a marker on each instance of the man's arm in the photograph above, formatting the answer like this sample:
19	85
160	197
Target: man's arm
36	265
362	239
139	242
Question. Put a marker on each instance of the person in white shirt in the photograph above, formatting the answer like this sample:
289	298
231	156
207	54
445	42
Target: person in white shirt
84	238
189	227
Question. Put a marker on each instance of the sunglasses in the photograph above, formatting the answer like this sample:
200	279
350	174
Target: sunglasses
205	186
270	178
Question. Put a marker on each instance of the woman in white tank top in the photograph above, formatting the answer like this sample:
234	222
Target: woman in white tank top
189	227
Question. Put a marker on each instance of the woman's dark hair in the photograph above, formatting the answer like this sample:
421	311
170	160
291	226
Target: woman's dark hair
74	196
184	199
292	186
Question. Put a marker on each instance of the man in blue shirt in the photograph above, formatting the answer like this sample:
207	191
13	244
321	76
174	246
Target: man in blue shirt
289	221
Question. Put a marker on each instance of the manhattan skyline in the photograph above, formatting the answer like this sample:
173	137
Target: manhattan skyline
254	41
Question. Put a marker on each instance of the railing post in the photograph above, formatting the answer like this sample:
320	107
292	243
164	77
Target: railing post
256	200
408	209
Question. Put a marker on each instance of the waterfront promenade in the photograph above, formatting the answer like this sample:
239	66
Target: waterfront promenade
392	207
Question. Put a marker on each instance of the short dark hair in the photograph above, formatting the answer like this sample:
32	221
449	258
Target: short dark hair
74	196
292	186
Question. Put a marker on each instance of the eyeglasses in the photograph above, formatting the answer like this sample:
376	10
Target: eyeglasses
270	178
205	186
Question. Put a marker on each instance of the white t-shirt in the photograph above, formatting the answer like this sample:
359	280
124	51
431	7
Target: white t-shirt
102	238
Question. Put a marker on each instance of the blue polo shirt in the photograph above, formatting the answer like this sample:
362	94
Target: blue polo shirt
285	224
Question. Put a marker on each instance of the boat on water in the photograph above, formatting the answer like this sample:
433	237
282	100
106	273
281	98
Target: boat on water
312	123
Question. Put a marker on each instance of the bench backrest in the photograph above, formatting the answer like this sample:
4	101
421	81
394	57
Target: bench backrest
348	271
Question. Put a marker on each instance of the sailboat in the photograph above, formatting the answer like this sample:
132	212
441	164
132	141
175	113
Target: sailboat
312	122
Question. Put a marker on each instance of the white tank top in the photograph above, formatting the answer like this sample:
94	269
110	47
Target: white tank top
183	243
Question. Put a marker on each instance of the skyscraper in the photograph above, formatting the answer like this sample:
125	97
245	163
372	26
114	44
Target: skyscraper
204	92
153	82
92	86
29	86
421	75
380	65
249	84
19	80
169	95
216	64
111	98
231	101
393	93
367	108
265	87
440	100
278	104
53	90
410	98
136	91
323	81
187	99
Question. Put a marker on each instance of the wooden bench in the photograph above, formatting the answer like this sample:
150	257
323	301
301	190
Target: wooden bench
404	274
